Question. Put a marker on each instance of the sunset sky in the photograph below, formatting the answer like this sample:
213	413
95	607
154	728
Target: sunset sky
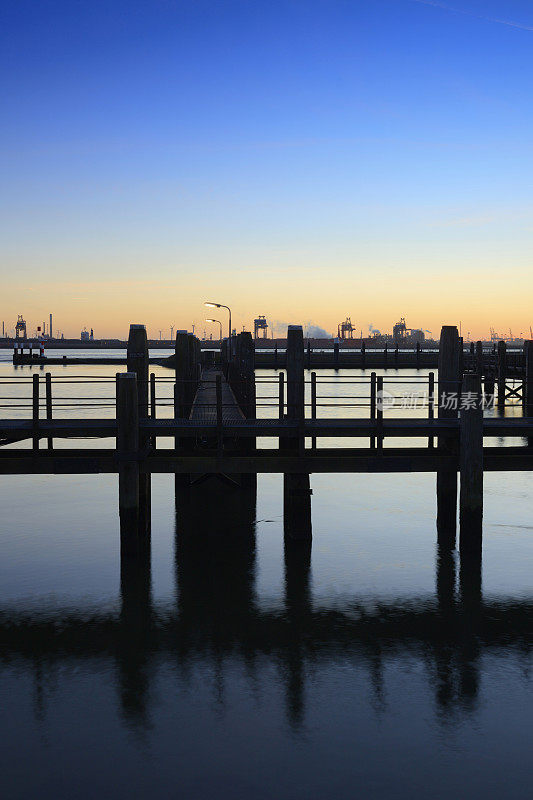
305	159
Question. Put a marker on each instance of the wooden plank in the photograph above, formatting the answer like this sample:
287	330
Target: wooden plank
204	407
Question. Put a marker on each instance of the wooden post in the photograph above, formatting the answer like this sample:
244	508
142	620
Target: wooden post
418	355
379	410
181	366
296	490
138	363
48	386
35	412
502	373
471	465
431	403
336	354
193	368
275	355
528	382
182	406
449	392
218	390
373	382
153	404
396	356
385	353
363	355
128	453
313	405
281	395
308	354
247	372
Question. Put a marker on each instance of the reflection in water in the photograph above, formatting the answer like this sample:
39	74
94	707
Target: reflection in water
218	616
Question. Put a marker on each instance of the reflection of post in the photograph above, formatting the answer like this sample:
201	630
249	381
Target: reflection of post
298	607
449	389
138	362
471	463
471	601
296	489
215	567
445	581
133	653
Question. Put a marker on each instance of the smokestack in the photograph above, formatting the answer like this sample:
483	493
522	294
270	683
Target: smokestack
50	328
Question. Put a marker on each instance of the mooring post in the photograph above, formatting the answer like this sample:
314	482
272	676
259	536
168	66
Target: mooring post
218	392
471	464
379	412
335	354
138	363
128	473
182	407
373	393
502	373
313	405
281	395
449	397
48	386
296	489
247	367
35	412
193	365
528	382
431	403
363	355
153	405
418	355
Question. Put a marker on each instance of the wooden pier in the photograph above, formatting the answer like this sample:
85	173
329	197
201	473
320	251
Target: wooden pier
215	428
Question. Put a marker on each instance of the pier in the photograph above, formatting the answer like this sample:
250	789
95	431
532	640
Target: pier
217	436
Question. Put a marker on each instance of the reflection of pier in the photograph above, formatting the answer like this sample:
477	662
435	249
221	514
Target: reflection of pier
217	616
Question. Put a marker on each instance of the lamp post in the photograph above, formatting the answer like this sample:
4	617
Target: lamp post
220	324
221	305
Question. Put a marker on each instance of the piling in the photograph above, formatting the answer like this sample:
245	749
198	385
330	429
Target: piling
35	412
449	391
308	354
128	453
296	487
528	377
471	465
418	355
335	353
48	390
138	363
182	404
502	373
363	355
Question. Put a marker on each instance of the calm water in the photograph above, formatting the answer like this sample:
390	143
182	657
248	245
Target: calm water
373	666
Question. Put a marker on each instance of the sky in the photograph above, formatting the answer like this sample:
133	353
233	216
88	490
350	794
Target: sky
303	159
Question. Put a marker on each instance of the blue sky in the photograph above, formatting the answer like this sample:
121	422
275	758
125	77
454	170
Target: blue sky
385	143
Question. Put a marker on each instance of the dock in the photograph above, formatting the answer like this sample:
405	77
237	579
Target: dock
215	428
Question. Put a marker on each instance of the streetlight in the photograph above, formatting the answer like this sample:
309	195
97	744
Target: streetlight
219	322
221	305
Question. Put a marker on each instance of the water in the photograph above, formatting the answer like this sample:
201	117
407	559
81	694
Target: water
373	666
